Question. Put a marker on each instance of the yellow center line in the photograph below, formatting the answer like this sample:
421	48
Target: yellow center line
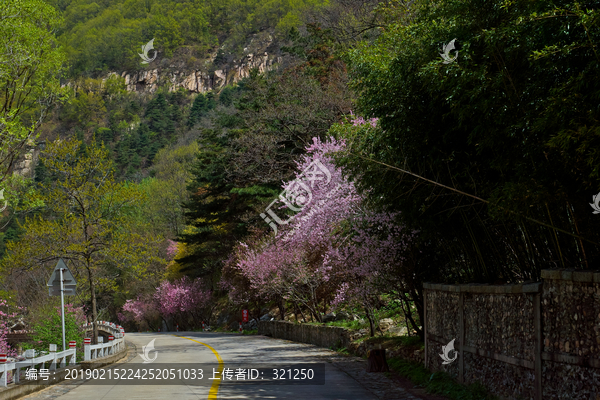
214	388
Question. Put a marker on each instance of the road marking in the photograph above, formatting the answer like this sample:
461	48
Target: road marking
214	388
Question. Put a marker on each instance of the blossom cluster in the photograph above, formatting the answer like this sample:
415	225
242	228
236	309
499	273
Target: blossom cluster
335	245
183	295
358	120
77	312
7	319
170	299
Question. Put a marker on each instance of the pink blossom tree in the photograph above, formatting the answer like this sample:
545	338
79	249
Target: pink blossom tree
368	256
184	301
187	301
171	249
143	312
289	264
7	318
334	249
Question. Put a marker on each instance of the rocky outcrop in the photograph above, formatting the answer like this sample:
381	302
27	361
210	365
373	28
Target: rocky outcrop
25	165
262	54
198	81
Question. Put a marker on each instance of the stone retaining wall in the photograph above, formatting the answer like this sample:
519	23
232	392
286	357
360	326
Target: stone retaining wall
529	341
331	337
571	335
323	336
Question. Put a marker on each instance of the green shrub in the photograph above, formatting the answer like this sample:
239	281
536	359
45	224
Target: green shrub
438	382
48	330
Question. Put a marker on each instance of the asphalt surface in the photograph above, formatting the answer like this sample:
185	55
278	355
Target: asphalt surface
190	350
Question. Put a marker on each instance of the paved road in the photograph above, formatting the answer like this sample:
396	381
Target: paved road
343	380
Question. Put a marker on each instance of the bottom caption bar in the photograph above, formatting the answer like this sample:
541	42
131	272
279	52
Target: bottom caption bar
189	374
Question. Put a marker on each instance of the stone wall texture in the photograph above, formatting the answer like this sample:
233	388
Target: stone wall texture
330	337
323	336
529	341
571	331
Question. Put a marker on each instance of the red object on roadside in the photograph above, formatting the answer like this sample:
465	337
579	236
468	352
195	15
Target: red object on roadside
111	337
241	330
202	325
3	358
244	315
87	341
72	343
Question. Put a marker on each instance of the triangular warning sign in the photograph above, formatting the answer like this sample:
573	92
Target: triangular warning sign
68	278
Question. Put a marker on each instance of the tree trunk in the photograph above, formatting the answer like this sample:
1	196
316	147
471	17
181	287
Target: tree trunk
302	314
377	361
315	312
418	300
370	318
94	310
281	306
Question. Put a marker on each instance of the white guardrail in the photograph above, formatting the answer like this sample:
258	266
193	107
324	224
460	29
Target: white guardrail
115	344
10	372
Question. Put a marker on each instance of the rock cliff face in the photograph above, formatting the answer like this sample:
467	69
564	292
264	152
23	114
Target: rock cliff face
262	53
25	165
197	80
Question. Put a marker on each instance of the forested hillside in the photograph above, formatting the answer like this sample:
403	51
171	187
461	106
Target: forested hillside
104	36
357	168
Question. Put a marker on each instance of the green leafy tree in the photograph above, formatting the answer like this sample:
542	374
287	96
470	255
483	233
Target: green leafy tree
167	190
30	66
48	328
89	223
489	157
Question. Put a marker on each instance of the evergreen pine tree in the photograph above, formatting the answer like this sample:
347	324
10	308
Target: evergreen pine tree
226	96
198	109
211	102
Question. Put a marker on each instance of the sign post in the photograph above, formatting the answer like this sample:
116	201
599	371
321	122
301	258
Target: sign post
244	315
63	282
62	307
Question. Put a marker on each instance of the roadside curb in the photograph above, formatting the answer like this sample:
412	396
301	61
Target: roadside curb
24	389
21	390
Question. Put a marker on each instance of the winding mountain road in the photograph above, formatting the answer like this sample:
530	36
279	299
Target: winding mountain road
344	378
